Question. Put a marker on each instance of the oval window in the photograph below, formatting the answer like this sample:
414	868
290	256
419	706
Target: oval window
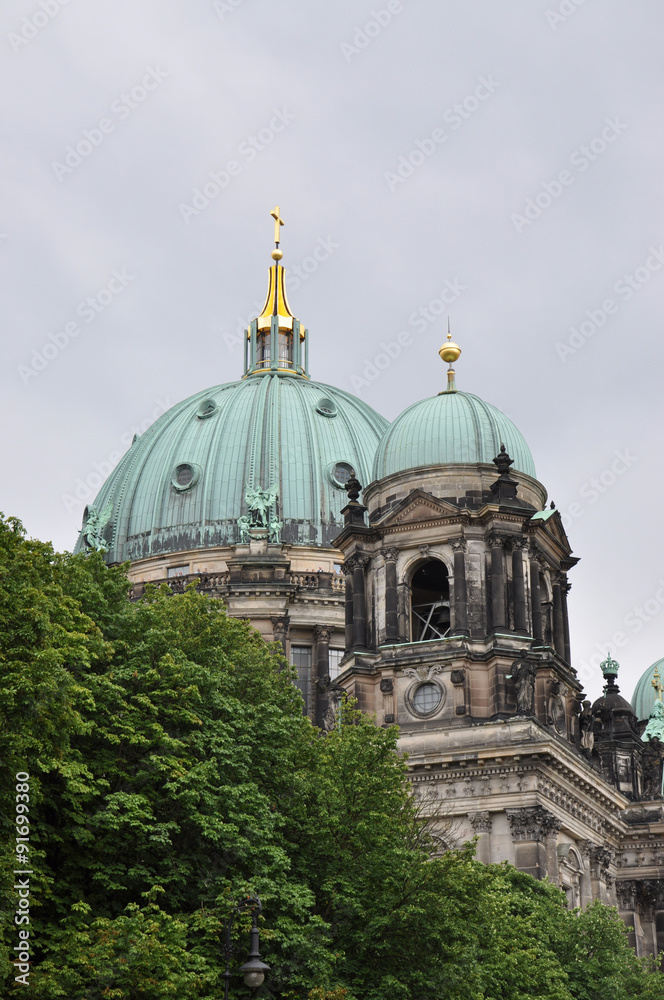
326	407
340	473
185	476
426	698
206	409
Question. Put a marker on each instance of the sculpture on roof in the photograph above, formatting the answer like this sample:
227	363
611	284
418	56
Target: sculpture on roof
244	523
93	528
655	727
275	527
523	675
259	502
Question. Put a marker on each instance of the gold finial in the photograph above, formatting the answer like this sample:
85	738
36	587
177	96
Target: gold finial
278	221
449	353
657	684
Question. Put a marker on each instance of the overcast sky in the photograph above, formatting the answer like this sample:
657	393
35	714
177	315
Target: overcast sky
503	162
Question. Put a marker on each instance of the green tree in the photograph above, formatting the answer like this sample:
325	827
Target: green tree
172	772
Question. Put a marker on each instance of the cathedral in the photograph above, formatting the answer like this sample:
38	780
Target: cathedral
416	566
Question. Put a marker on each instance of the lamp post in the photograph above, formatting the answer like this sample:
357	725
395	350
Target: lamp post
253	970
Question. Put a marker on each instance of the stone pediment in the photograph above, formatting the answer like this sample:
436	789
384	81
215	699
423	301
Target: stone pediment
553	525
418	506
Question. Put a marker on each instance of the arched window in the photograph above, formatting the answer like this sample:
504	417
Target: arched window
430	602
570	869
285	349
263	349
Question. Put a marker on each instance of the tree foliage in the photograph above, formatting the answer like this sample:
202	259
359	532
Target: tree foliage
172	772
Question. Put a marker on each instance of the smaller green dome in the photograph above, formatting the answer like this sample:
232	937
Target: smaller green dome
645	696
451	428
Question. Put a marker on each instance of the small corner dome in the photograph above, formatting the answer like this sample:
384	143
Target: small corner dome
645	696
451	428
182	483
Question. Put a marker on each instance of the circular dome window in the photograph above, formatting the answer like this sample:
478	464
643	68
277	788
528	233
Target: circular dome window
185	476
326	407
206	409
339	473
426	698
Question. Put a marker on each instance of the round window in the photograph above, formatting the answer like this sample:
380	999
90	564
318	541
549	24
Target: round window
340	473
185	477
426	698
326	407
206	409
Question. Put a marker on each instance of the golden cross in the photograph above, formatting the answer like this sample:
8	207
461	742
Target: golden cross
278	221
657	684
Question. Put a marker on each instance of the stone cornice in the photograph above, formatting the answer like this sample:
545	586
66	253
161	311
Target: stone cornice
520	743
521	784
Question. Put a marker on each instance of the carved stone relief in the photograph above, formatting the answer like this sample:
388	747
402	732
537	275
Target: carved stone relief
532	823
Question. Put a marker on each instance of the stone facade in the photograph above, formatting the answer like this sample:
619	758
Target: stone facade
292	595
500	742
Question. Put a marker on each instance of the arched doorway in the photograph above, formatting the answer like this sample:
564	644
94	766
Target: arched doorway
430	602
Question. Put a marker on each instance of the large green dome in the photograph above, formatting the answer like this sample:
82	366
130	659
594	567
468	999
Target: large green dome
182	483
644	697
453	427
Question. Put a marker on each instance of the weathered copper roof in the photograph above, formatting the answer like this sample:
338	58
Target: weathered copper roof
182	483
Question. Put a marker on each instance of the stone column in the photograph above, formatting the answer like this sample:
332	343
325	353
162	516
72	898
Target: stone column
348	605
534	831
627	891
358	562
565	588
519	586
498	609
391	612
481	823
280	627
536	599
599	859
558	626
322	639
460	625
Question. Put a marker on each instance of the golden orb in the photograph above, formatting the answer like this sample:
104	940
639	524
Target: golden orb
450	351
277	254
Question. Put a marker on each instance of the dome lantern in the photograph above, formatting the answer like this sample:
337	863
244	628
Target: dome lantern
276	340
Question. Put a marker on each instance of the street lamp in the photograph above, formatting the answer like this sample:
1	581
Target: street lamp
253	970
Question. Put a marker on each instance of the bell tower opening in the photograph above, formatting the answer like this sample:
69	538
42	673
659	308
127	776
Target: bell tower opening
430	602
